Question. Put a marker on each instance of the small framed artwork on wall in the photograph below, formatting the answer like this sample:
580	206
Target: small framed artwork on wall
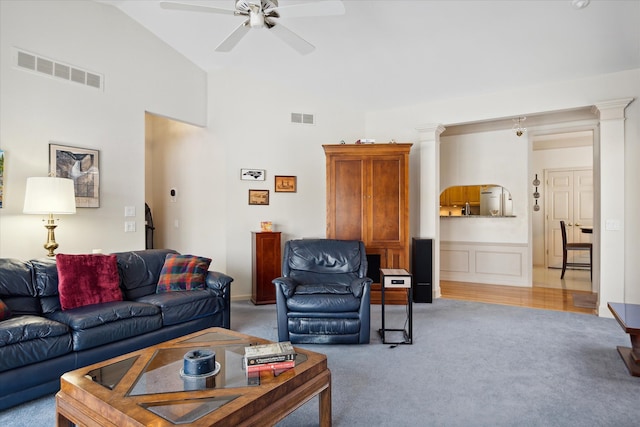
258	197
252	174
82	166
285	184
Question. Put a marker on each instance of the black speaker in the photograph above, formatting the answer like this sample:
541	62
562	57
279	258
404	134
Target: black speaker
422	269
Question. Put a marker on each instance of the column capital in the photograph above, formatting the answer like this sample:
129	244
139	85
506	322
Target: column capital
429	131
612	109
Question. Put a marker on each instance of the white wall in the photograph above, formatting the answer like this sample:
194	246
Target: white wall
139	75
251	119
496	157
402	123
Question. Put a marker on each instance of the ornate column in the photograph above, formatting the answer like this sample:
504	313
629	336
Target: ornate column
609	235
429	193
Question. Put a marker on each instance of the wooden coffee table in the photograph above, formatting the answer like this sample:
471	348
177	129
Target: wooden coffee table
628	316
146	387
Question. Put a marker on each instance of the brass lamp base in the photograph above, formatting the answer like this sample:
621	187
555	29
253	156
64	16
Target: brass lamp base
51	244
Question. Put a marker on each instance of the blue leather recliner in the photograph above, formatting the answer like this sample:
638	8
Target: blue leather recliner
324	294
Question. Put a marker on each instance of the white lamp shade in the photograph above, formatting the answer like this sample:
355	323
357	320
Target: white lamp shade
45	195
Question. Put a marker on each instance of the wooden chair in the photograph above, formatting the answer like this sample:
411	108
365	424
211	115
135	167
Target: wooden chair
566	247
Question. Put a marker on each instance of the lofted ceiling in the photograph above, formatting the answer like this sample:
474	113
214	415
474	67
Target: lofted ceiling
385	54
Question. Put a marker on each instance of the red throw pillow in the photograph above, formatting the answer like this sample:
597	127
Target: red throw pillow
183	273
5	313
87	279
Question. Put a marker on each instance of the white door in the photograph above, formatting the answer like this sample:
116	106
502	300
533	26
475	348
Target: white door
569	198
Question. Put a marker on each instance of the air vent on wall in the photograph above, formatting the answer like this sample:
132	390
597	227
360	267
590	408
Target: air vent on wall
302	118
52	68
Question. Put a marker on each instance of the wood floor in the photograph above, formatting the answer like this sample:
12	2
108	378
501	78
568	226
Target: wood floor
572	293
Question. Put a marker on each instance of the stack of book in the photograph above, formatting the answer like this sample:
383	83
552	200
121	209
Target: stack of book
277	356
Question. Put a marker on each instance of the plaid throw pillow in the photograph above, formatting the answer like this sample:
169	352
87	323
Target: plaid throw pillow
183	273
5	313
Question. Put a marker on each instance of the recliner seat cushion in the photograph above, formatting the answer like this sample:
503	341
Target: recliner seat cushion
98	324
29	339
320	303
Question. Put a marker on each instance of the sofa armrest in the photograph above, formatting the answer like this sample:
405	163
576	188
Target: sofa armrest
358	285
221	284
218	281
286	284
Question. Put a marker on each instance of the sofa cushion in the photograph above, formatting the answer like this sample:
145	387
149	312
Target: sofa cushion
179	307
140	270
46	284
183	273
16	287
5	313
87	279
29	339
97	324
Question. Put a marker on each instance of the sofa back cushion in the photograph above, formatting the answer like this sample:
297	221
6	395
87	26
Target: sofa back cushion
140	270
87	279
46	283
16	287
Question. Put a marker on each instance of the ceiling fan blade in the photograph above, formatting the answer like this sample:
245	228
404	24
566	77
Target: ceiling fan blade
194	8
232	39
319	8
292	39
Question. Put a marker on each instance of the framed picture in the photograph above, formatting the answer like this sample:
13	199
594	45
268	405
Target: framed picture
252	174
258	197
82	165
285	184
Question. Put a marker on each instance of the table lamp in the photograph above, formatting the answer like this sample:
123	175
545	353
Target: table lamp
49	195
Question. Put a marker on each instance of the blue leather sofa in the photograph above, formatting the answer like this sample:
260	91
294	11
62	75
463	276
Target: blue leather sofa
40	341
324	294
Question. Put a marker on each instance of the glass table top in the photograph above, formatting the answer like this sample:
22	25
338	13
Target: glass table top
162	374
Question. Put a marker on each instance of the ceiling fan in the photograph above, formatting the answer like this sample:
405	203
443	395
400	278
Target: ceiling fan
263	13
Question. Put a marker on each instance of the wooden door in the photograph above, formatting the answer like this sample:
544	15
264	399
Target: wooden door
346	197
570	199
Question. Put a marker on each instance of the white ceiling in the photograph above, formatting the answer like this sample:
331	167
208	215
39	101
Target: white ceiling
384	54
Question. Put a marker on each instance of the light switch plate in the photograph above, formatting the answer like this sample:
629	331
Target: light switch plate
612	224
129	211
129	226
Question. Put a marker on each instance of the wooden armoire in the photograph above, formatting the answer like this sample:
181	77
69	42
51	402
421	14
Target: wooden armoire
368	200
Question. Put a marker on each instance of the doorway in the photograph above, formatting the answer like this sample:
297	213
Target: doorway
569	199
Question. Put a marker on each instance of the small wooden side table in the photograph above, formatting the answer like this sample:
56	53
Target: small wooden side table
628	316
266	265
397	278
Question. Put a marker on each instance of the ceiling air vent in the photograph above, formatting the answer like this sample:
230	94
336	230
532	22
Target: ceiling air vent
302	118
58	70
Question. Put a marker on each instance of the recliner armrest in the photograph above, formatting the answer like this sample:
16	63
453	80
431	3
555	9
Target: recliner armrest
287	284
358	285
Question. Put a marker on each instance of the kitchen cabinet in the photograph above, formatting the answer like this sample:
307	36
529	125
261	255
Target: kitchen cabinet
459	195
266	265
368	200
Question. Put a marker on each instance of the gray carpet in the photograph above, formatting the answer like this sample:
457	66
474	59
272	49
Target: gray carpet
471	364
